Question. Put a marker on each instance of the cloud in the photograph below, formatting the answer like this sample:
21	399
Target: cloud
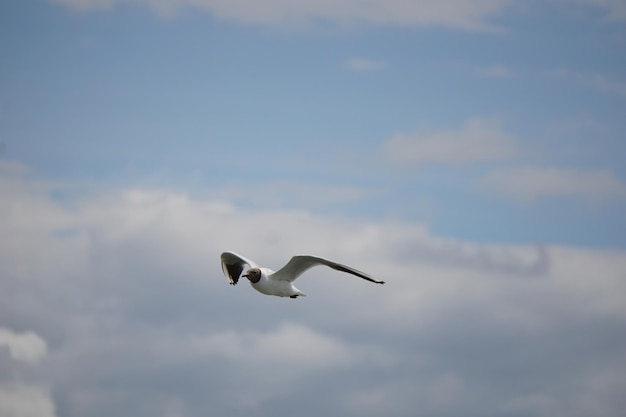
476	142
602	83
308	350
615	9
25	401
531	183
596	81
365	64
281	356
496	71
423	248
471	15
25	347
459	14
125	284
292	194
18	396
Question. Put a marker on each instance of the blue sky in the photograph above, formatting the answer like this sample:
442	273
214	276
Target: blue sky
476	142
189	99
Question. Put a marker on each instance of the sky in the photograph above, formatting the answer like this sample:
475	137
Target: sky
469	153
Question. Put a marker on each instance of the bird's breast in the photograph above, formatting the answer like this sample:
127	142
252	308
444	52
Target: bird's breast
270	287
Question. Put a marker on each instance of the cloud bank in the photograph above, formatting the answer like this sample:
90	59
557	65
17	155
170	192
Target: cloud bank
125	287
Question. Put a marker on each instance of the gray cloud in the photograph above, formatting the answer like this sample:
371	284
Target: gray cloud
422	248
25	401
125	288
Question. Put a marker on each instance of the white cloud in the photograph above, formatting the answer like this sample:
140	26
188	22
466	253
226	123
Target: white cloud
531	183
25	347
365	64
25	401
476	142
462	14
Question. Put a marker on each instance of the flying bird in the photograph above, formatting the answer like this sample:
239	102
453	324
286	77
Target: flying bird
279	283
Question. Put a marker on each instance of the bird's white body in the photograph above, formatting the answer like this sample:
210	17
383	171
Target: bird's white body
269	286
279	283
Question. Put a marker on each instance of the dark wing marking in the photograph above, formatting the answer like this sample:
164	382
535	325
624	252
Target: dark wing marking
301	263
233	265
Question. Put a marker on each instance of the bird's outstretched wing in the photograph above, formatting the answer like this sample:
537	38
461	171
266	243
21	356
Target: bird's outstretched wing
233	265
300	263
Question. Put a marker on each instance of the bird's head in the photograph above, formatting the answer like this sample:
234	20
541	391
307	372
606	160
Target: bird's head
253	274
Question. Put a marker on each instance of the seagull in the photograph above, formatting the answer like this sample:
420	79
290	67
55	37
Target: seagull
279	283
